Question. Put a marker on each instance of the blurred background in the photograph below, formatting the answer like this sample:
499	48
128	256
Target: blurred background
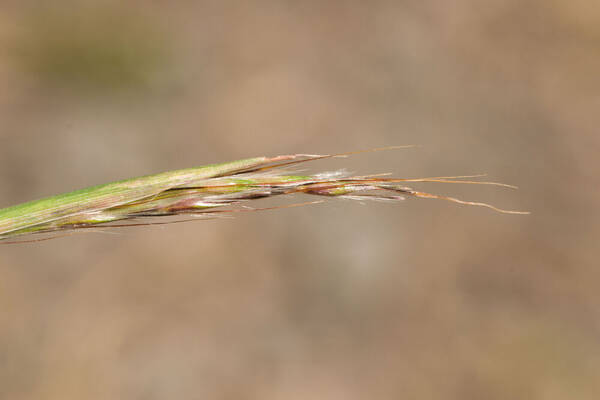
417	300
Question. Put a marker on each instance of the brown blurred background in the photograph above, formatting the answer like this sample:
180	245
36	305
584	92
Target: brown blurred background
417	300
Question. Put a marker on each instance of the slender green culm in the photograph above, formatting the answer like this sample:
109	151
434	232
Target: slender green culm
205	191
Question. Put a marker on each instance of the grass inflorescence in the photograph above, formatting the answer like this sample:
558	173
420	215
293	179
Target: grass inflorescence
206	191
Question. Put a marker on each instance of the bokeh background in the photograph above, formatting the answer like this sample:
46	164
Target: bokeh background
417	300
